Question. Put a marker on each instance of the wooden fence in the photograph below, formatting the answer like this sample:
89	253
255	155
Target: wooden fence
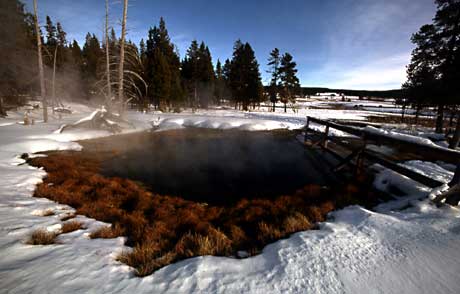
359	153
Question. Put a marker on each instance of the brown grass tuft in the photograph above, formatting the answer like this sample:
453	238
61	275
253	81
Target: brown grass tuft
68	216
146	258
296	223
106	232
71	226
268	233
42	237
193	244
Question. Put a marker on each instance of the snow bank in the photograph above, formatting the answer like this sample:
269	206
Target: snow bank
224	123
406	137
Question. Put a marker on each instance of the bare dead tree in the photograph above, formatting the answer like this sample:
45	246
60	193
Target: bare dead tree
2	111
122	57
40	65
53	90
456	138
107	58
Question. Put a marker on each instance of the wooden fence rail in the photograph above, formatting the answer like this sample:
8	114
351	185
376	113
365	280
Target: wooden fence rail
368	137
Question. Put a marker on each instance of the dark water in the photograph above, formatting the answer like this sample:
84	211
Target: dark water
219	166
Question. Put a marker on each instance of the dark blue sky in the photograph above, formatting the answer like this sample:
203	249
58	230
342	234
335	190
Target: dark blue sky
357	44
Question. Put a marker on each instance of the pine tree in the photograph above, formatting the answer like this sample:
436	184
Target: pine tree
161	77
219	87
433	73
205	75
61	43
76	54
61	35
289	83
422	83
274	66
226	79
51	41
51	33
92	56
447	23
244	76
226	70
189	73
162	57
253	83
142	49
235	71
18	47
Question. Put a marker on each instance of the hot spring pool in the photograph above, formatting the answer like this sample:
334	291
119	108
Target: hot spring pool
216	166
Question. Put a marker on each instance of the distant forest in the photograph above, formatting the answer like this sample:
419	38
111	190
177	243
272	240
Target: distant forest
154	73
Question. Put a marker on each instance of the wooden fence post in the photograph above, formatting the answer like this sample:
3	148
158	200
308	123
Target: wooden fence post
456	179
2	112
307	126
360	158
326	134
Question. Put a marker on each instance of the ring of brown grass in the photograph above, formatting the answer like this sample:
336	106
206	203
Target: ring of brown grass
164	229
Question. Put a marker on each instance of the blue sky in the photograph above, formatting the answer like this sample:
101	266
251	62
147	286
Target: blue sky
353	44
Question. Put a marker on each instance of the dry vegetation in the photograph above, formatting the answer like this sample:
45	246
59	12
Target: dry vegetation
106	232
48	212
68	216
163	229
42	237
71	226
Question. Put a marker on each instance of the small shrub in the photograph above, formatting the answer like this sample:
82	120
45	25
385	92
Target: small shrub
313	213
295	223
326	207
237	235
42	237
68	216
146	258
267	233
106	232
71	226
193	244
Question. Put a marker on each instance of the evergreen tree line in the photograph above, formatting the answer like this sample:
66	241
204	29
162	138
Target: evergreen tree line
433	75
155	75
284	84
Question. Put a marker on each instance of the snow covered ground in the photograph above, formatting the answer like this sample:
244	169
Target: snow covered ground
406	246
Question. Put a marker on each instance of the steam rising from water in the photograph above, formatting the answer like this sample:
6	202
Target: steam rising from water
219	166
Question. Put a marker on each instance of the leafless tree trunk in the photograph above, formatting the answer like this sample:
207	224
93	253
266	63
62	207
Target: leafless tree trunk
122	57
40	65
440	119
456	139
53	93
2	111
403	112
107	58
